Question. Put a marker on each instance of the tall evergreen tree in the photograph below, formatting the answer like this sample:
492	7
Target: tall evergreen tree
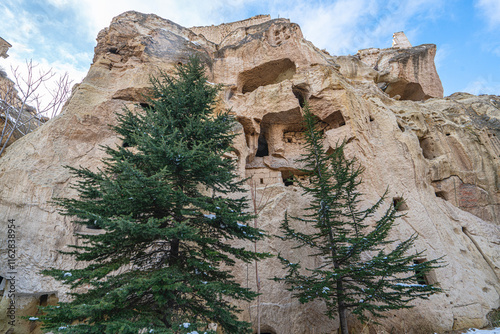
162	263
342	234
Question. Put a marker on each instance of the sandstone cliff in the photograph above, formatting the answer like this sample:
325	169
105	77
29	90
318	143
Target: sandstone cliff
440	154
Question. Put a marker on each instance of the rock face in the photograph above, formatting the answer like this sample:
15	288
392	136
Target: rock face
4	47
441	155
405	72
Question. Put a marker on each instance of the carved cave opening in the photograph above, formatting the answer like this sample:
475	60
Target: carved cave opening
263	147
266	329
94	226
293	177
44	300
301	95
279	134
406	90
400	204
288	178
413	92
335	120
266	74
422	278
442	194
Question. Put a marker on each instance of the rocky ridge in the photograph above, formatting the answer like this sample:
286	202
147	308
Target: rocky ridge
440	154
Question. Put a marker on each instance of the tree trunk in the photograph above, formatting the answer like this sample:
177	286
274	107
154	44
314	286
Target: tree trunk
343	319
174	252
341	307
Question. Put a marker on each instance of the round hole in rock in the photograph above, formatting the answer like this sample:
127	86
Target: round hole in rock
442	194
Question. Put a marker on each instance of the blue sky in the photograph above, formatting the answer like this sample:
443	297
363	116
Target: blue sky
61	33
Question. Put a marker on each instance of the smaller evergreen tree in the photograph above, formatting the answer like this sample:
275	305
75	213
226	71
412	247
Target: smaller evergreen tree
342	234
163	262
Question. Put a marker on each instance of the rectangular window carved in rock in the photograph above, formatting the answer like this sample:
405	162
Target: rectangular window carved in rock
424	278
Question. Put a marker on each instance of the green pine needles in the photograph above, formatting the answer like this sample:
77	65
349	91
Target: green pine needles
344	237
163	260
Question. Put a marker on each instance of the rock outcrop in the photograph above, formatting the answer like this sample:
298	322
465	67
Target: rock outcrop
441	155
4	47
404	72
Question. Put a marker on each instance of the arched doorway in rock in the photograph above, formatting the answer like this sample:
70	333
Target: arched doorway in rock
263	148
265	329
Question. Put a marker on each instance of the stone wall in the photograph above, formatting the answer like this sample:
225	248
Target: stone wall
400	41
263	176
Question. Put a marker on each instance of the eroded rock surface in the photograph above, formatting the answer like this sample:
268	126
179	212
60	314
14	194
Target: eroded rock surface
404	72
441	155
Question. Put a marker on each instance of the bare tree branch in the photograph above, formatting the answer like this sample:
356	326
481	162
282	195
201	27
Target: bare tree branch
23	108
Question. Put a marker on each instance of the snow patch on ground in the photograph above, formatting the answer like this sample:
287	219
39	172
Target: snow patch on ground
483	331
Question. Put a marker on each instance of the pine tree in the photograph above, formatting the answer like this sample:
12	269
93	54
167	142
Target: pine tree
342	234
163	261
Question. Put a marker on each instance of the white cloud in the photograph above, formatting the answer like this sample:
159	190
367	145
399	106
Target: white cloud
345	26
490	9
340	26
43	66
334	26
442	53
482	85
17	25
98	13
59	3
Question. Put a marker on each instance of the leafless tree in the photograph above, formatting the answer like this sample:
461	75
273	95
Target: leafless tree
23	108
258	206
